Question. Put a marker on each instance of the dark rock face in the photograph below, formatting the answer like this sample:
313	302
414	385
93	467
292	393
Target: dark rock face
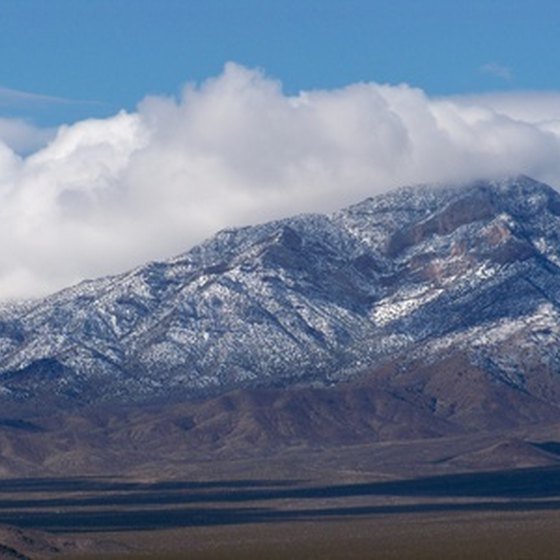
419	273
478	205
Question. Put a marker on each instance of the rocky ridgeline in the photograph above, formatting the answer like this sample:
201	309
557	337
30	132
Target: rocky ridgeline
418	273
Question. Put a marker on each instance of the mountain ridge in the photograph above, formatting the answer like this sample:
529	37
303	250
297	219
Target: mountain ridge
312	300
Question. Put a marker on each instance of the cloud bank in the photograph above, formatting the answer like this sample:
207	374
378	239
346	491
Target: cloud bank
106	195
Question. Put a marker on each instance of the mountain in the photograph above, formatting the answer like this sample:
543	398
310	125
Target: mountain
366	365
444	297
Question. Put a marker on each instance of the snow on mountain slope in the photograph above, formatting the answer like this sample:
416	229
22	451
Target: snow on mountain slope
419	272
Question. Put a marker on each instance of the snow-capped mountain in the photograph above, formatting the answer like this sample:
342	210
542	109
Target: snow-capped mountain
418	274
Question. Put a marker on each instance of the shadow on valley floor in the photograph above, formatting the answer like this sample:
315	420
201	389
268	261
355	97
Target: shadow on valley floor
120	506
139	520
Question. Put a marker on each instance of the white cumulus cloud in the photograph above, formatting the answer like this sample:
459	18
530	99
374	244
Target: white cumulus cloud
23	137
105	195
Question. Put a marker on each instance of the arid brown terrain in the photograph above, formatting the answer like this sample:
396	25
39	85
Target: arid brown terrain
351	471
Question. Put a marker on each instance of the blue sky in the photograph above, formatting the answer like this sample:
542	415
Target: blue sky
132	129
94	57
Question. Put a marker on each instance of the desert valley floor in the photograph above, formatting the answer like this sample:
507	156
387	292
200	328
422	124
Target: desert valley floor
479	496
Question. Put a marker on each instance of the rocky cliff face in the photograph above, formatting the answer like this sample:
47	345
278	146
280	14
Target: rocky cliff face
419	274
